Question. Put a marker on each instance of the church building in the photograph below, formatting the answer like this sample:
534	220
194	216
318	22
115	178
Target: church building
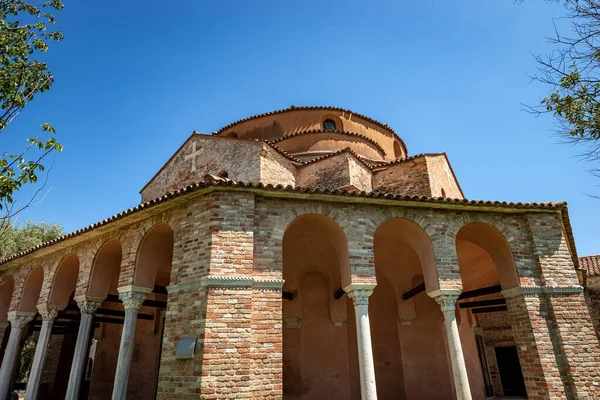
303	254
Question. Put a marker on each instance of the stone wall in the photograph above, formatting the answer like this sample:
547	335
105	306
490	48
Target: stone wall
441	177
409	177
339	171
212	155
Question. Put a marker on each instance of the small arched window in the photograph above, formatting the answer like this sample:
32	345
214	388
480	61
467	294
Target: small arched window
223	174
328	125
443	193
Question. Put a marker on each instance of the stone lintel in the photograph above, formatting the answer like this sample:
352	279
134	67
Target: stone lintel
532	291
134	289
444	292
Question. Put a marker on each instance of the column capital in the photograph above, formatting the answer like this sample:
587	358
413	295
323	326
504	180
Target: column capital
360	292
18	319
446	298
87	306
48	314
133	296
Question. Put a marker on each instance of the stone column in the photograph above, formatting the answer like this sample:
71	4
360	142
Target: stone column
132	297
87	308
3	326
359	293
18	320
33	383
447	300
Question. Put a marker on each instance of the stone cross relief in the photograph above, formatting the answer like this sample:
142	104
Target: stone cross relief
192	156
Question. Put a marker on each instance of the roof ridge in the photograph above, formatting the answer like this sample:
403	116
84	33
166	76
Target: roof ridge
336	153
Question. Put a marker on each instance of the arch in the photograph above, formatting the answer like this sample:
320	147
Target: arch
409	232
231	135
322	231
482	236
397	150
31	290
65	280
223	174
105	269
315	338
154	256
6	292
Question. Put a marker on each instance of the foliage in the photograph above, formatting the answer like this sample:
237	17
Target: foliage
24	36
27	354
18	238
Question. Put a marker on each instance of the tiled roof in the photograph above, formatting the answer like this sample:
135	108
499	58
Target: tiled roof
300	108
339	132
335	153
591	264
559	206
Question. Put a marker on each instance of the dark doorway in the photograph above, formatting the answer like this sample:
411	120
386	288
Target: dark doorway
510	371
489	389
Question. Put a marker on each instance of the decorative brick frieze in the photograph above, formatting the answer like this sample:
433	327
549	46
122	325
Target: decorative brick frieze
227	282
543	290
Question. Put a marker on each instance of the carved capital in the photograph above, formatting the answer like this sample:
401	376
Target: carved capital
88	307
338	321
359	293
19	319
133	296
447	302
132	300
48	314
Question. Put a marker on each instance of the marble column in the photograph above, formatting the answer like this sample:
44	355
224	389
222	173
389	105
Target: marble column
133	297
18	321
447	301
359	293
35	375
87	308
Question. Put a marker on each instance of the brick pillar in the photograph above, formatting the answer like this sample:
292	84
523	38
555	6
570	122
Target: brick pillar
555	338
532	339
227	358
267	339
576	336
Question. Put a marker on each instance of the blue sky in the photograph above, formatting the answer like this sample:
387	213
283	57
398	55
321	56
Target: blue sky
133	79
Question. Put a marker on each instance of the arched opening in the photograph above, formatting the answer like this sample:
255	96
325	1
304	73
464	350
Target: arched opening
153	266
232	135
397	150
103	286
153	271
329	125
316	335
223	174
443	193
105	269
31	290
6	292
486	267
409	346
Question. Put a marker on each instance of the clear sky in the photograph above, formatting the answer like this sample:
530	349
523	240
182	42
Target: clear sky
135	78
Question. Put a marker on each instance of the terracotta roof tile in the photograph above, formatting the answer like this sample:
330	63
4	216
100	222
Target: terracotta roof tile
335	153
339	132
295	108
591	264
562	206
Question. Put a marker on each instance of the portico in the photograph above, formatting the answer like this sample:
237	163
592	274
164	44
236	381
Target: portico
226	289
